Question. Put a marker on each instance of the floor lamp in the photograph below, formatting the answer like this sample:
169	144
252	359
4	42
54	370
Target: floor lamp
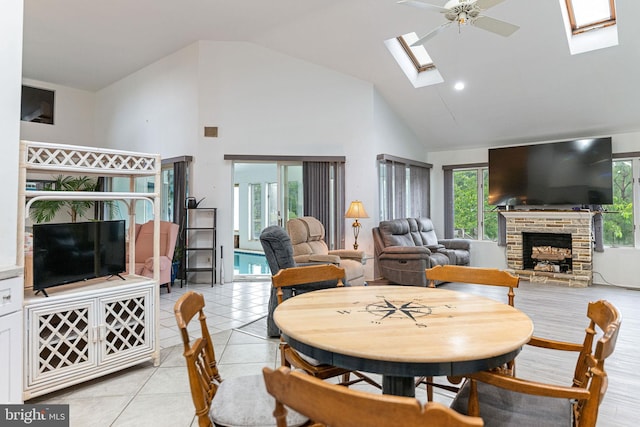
355	211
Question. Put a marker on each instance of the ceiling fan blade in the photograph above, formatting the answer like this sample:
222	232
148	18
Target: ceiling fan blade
495	25
486	4
423	5
431	34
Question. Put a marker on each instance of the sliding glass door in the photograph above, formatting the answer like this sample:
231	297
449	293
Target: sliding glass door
265	193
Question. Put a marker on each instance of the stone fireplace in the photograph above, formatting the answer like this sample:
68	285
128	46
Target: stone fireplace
550	246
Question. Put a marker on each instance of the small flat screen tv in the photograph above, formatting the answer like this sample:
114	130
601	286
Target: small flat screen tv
71	252
574	172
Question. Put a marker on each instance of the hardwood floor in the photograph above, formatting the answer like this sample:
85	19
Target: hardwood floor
559	312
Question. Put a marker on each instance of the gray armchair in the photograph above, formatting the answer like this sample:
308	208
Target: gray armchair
406	247
279	253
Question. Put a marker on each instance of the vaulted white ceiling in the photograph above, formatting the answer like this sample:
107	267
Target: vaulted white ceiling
523	88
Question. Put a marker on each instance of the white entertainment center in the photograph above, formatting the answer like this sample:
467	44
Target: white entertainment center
87	329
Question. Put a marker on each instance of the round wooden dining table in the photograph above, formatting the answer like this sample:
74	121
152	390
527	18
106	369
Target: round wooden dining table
403	331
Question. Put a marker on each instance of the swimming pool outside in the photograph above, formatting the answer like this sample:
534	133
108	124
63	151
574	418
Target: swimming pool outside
250	263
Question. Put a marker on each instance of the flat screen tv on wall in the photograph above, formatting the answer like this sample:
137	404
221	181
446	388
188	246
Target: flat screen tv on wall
576	172
71	252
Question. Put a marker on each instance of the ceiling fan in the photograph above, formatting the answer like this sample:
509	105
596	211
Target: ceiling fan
464	12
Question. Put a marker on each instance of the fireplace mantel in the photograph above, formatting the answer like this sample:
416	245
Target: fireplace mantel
547	214
576	223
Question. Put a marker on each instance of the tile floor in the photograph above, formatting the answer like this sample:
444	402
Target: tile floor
145	395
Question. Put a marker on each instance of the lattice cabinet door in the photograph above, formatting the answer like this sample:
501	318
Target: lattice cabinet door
124	324
62	340
87	334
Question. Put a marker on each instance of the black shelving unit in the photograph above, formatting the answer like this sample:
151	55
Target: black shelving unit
199	237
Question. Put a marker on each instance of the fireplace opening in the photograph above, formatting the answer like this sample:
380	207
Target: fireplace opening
547	252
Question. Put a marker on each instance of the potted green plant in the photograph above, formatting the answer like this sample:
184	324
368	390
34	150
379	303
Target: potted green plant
178	252
46	210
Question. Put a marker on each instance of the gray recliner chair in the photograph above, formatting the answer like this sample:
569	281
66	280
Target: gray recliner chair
278	250
406	247
307	238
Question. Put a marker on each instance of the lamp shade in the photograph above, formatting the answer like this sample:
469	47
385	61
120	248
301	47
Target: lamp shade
356	210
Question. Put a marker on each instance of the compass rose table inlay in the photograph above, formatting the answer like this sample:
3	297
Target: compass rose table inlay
386	308
403	331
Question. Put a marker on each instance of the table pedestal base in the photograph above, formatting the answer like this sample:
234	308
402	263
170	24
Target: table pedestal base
399	386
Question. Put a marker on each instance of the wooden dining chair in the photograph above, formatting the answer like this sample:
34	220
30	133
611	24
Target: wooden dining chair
473	275
295	276
239	401
468	275
331	405
504	400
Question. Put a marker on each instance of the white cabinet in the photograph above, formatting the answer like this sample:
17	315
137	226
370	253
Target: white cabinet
11	294
11	337
10	358
85	332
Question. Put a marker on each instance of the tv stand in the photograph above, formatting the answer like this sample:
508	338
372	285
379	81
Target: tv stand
116	275
87	329
84	330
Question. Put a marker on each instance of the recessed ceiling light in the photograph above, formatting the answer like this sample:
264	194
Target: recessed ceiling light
459	86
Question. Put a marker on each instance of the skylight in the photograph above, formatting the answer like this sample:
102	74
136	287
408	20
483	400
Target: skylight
414	61
590	24
586	15
417	54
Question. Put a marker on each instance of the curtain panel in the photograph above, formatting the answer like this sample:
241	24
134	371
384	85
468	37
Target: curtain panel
404	187
448	204
419	190
323	188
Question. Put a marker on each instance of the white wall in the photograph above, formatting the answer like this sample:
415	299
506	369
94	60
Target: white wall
263	103
266	103
10	87
74	122
389	136
73	117
617	266
154	110
11	16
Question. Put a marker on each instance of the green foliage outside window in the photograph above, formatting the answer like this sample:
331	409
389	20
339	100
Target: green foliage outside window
293	200
255	191
618	220
466	215
465	202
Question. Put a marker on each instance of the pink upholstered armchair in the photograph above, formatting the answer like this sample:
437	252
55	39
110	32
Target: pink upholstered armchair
144	250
